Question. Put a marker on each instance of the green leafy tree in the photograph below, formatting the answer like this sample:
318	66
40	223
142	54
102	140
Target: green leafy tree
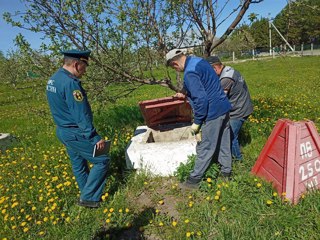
259	30
128	38
299	22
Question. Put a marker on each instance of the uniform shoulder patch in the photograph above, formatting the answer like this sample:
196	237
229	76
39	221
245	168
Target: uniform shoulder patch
78	96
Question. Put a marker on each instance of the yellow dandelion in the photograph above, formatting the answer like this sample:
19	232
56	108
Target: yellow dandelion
108	220
111	210
25	229
275	194
259	185
105	210
187	221
161	202
188	234
216	197
127	210
223	208
209	180
160	224
174	223
269	202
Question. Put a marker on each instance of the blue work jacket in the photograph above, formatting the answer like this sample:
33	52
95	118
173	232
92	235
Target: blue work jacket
204	91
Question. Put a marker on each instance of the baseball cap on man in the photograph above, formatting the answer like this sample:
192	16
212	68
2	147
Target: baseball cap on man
173	53
82	55
213	60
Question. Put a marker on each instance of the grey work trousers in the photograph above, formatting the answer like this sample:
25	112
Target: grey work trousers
215	142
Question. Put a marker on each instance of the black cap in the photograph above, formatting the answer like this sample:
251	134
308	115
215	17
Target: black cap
213	60
82	55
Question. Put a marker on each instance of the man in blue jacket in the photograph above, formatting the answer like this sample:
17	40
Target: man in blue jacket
73	118
211	114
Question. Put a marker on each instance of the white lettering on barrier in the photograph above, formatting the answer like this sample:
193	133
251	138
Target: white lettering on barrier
312	184
309	171
306	150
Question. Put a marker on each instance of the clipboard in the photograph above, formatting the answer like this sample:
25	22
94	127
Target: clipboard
104	151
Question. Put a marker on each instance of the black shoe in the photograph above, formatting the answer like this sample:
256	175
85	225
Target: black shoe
88	204
190	184
225	176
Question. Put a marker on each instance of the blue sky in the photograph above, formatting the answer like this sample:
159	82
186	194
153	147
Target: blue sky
8	33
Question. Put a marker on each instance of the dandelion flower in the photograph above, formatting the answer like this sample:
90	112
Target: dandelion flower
174	223
269	202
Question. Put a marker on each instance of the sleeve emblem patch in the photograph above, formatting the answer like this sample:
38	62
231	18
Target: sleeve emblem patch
77	94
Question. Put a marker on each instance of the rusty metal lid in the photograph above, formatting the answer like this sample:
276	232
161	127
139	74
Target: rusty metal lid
165	111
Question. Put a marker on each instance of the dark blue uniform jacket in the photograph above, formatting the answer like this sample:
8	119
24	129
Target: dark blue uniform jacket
69	105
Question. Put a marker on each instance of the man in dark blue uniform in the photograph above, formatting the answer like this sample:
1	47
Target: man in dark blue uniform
73	117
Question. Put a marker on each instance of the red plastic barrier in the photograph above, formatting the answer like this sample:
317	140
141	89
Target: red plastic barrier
291	158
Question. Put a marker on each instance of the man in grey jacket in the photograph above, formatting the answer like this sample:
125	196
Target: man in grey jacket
238	94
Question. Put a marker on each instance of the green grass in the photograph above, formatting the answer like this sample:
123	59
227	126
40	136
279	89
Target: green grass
38	191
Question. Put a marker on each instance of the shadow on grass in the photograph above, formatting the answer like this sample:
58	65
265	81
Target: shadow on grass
134	232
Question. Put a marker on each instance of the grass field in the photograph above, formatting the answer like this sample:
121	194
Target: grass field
38	191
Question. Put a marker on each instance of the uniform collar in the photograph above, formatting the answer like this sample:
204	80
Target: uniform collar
69	74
